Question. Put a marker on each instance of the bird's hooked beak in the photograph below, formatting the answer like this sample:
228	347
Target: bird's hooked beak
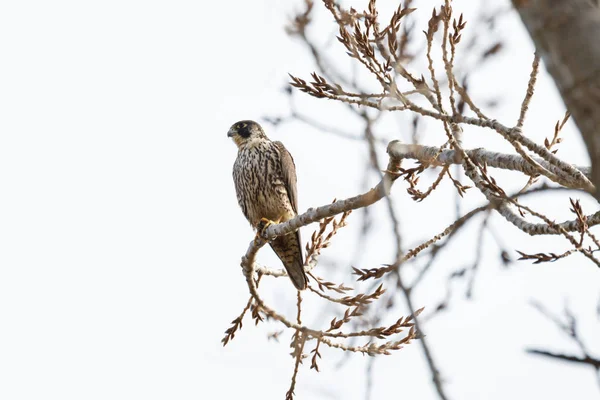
234	134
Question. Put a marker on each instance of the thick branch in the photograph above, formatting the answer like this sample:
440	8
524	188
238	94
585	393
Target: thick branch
512	162
436	156
545	229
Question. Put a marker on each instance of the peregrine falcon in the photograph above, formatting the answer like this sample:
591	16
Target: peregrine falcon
265	182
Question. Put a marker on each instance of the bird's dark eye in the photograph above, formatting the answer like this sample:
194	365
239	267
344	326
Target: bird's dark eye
243	130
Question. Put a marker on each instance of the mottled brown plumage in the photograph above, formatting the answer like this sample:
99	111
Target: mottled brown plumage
265	182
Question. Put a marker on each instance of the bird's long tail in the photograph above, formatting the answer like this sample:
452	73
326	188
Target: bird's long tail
289	250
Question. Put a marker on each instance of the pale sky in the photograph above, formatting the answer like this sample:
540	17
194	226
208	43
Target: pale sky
120	234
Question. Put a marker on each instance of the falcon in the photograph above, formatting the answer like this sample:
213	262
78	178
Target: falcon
264	175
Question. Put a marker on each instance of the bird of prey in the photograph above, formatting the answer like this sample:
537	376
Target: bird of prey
265	182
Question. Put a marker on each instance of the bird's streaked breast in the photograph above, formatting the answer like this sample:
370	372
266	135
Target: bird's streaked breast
258	181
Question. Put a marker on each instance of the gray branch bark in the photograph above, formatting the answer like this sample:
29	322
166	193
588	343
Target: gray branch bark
512	162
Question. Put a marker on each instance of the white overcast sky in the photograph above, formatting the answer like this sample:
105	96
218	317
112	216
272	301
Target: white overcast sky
120	234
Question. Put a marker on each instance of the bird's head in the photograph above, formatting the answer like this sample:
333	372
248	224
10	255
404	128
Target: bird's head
244	132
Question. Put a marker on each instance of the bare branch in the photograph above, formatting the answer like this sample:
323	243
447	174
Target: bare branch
594	362
435	156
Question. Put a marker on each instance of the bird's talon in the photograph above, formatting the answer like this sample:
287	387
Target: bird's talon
263	224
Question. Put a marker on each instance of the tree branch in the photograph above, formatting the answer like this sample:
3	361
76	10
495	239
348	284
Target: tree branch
434	156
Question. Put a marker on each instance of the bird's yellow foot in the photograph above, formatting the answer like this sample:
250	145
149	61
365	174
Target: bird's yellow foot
262	226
